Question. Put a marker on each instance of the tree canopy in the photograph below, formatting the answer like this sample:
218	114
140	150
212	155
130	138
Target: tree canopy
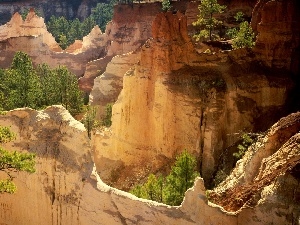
66	31
206	20
24	86
171	189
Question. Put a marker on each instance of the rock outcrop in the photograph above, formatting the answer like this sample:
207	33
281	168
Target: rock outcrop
31	36
185	100
267	178
65	189
108	86
70	9
277	42
62	191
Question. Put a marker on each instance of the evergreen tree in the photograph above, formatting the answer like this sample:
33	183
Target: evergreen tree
89	120
75	32
102	14
11	162
181	178
49	81
172	190
24	86
244	36
68	92
106	121
88	25
20	84
166	5
206	20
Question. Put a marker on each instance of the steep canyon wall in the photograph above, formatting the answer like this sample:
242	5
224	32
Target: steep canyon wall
175	98
65	189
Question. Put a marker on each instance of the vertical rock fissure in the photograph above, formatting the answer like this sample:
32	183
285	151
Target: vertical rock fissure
201	138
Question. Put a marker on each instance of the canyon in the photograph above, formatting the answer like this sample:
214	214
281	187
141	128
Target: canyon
168	96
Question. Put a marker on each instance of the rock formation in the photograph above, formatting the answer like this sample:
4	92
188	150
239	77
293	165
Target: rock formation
31	36
66	190
70	9
277	42
62	191
267	178
185	100
108	86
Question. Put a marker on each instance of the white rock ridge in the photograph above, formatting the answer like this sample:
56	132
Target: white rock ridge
65	191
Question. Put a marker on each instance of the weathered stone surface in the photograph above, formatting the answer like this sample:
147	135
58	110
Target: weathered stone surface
128	34
184	100
108	86
31	36
267	178
278	26
65	191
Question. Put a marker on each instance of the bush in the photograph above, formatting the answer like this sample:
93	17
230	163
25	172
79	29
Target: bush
242	148
170	190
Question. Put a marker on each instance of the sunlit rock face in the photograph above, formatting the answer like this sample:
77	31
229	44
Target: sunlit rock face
176	99
65	189
31	36
267	178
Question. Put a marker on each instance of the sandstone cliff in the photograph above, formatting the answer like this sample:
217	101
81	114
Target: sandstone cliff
278	26
66	190
267	178
31	36
70	9
62	191
185	100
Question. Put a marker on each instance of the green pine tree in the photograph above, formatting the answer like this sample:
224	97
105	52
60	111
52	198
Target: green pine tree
206	20
244	37
181	178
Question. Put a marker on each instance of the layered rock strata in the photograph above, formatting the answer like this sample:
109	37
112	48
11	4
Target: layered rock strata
66	190
31	36
277	42
267	178
177	99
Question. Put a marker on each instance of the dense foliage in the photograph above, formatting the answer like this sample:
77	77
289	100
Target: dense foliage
24	86
243	36
67	31
206	20
166	5
171	189
242	148
13	161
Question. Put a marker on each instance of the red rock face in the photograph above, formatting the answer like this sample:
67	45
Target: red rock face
278	26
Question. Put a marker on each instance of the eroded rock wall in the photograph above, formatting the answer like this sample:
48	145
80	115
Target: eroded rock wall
278	26
64	190
267	178
177	99
31	36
